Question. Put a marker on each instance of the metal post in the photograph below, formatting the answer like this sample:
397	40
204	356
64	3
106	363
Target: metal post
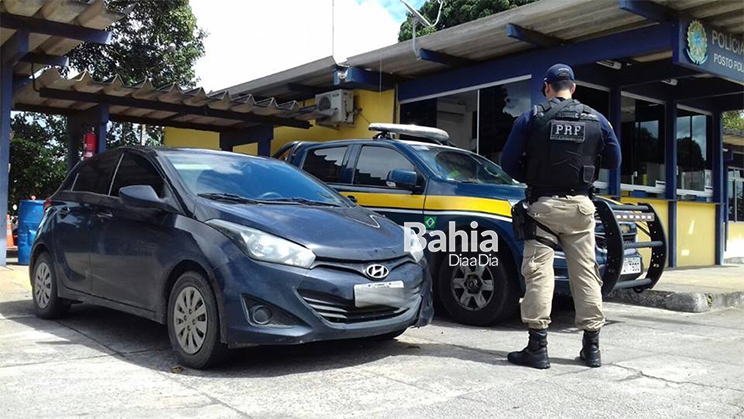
75	131
719	186
615	118
670	149
264	147
536	85
6	95
100	126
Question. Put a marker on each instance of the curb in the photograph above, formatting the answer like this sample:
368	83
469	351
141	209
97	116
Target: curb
688	302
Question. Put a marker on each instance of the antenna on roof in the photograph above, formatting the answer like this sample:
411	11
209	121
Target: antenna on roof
419	18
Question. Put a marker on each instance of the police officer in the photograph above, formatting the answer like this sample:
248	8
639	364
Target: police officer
556	149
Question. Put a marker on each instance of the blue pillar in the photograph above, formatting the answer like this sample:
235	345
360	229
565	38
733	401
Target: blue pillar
100	120
536	84
719	186
615	118
261	134
264	147
6	94
670	149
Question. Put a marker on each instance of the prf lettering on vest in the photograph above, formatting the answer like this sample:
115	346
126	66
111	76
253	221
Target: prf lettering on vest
567	131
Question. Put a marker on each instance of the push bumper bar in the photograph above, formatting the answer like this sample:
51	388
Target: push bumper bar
610	215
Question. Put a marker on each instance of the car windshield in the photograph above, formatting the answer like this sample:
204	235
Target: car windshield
462	166
241	178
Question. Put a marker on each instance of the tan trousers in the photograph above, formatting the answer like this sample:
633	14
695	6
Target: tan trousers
572	218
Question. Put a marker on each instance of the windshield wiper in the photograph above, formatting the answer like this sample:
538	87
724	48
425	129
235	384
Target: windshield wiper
230	197
304	201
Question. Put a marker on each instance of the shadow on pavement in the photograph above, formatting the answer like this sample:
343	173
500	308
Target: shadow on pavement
145	343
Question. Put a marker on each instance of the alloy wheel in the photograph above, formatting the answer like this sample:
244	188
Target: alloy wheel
43	285
190	320
472	287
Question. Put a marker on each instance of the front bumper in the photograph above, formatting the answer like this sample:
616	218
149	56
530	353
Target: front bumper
270	304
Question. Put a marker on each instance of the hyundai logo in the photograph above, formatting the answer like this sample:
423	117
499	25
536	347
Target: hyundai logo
377	271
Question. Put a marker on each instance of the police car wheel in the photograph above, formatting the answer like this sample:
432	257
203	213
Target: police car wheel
478	295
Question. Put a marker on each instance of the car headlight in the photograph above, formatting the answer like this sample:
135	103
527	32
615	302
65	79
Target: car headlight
263	246
414	244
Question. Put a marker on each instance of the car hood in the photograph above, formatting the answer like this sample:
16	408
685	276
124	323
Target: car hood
340	233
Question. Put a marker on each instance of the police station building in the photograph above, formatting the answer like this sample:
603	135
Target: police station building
662	71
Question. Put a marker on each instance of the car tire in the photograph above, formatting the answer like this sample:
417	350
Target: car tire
194	324
493	306
47	303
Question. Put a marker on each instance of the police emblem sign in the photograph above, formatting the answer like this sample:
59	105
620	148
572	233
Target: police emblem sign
706	48
697	42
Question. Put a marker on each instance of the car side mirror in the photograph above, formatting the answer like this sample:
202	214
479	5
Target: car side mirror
405	179
144	196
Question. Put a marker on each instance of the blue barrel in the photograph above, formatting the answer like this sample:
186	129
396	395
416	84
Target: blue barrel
30	214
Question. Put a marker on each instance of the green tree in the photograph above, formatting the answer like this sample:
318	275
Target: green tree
37	156
454	13
734	120
158	40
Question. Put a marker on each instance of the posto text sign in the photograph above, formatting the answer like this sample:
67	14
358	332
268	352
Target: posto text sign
705	48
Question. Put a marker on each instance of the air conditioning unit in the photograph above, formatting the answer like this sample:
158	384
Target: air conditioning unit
336	107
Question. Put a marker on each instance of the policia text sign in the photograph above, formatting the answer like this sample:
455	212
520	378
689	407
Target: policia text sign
702	47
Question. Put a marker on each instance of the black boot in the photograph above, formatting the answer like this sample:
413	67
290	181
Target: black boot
535	355
590	353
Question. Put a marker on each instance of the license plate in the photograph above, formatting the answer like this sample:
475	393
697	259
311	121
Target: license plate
390	293
631	266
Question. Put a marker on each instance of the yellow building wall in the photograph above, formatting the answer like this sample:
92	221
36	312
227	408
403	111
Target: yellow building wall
662	210
735	241
696	234
180	137
375	107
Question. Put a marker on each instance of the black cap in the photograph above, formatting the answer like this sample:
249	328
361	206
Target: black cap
559	72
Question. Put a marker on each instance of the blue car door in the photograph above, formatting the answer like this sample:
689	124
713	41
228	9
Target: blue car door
73	217
132	244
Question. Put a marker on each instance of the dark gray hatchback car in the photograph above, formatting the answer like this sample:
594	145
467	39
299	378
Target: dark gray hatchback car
227	250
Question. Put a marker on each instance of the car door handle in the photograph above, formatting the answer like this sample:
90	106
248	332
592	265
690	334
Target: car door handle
104	215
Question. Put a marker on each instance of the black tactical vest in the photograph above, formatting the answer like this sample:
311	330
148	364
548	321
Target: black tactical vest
563	147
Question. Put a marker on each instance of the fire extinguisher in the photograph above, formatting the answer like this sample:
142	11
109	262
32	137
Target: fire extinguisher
90	145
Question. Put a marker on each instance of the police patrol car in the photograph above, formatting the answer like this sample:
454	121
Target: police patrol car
427	181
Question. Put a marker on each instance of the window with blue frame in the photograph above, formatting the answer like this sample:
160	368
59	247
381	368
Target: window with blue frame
477	120
642	142
736	195
694	163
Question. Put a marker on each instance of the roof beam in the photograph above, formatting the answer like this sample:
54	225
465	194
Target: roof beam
709	88
638	74
125	118
131	102
722	103
359	78
310	90
614	46
648	9
37	58
51	28
442	58
532	37
168	123
14	48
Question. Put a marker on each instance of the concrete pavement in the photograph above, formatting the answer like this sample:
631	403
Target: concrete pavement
100	363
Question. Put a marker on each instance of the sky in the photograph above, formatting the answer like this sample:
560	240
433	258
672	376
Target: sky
248	39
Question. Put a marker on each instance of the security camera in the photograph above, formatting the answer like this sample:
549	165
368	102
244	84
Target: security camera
416	14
